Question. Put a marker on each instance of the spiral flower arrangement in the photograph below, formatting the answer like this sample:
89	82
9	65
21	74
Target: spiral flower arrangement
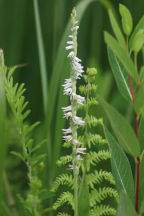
70	112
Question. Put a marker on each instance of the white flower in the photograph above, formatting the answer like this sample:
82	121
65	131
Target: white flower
81	150
69	42
70	167
67	138
78	121
79	158
79	98
76	142
67	109
69	47
68	115
67	131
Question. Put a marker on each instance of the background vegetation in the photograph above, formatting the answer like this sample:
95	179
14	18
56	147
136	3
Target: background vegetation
19	40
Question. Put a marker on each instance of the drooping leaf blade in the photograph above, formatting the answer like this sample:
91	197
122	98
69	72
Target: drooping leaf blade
125	207
116	29
121	55
120	166
120	75
124	133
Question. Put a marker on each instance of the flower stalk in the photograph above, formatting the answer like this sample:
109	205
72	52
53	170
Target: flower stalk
70	112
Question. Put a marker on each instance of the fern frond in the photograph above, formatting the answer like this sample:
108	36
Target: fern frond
103	210
63	179
98	176
65	197
97	196
93	158
94	139
63	214
93	121
64	160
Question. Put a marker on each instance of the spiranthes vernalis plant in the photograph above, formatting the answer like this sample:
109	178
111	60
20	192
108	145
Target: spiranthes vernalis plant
70	112
16	100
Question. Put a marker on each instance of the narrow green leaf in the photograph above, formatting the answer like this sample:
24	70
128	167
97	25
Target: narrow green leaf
141	134
127	22
121	55
137	41
17	155
116	29
139	103
125	208
125	134
120	166
43	70
140	25
121	76
2	123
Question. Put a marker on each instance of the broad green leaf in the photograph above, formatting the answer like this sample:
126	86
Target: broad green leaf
127	22
139	26
83	200
137	41
2	123
125	208
124	133
116	29
121	76
139	102
121	55
141	134
120	166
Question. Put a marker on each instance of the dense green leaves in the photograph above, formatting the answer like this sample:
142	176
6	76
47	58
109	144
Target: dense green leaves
125	207
127	22
121	76
120	166
122	129
116	29
121	55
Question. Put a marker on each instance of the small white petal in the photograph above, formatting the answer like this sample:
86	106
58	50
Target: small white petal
69	47
81	150
77	120
71	54
69	42
67	138
67	131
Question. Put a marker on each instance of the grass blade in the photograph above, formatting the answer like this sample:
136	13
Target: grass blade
41	52
2	123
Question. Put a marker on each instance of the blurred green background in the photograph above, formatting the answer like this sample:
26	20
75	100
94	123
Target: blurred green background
18	39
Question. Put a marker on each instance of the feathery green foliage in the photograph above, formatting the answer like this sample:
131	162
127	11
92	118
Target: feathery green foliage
18	105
